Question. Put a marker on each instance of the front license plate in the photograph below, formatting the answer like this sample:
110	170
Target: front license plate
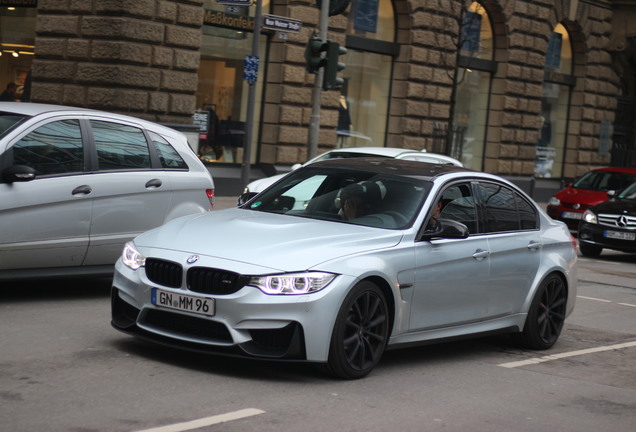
620	235
572	215
188	303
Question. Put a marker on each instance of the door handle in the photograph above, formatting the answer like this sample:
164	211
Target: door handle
533	245
82	190
481	254
154	183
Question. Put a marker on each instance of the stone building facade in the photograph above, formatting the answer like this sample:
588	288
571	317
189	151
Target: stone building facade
150	58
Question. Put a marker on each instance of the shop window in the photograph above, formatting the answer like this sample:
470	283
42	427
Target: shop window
555	101
17	40
364	98
222	92
466	140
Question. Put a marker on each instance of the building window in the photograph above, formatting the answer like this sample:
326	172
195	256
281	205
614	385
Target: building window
222	92
17	45
555	103
472	88
364	99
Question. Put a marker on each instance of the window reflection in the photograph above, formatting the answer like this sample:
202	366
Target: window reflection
55	148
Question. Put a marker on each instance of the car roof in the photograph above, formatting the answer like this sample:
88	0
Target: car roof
399	167
617	169
37	109
380	151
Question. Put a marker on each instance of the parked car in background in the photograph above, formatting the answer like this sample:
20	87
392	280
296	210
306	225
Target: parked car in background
592	188
77	184
356	152
344	258
610	225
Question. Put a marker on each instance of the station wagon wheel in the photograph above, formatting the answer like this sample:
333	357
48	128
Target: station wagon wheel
360	333
547	314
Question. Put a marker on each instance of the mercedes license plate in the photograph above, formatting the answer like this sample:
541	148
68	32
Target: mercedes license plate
618	235
182	302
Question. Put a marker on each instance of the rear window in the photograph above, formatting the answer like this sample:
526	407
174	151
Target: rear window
8	121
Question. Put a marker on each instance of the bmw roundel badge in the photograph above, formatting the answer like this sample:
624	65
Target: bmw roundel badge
192	259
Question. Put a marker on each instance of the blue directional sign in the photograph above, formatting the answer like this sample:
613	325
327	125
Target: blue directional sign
279	23
250	69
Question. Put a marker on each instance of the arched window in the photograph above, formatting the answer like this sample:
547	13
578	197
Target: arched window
472	88
555	102
366	91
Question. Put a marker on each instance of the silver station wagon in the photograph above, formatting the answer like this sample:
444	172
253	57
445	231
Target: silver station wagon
343	259
77	184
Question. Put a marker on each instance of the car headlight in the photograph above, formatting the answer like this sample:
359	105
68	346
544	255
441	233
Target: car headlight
554	201
292	283
590	217
131	257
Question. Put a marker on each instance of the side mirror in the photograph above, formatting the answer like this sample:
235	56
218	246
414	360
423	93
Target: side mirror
18	173
446	228
245	198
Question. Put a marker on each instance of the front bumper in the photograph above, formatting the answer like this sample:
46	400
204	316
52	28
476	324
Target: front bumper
595	234
246	323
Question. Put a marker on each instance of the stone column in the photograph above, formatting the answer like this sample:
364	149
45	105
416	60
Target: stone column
139	58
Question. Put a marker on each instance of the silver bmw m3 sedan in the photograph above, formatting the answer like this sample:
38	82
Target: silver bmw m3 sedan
343	259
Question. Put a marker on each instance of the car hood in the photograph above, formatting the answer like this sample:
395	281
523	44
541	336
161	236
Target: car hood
279	242
582	196
619	206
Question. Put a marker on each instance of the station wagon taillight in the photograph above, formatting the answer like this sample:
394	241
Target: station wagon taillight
210	194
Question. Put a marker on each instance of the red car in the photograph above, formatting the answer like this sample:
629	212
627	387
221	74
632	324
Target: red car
592	188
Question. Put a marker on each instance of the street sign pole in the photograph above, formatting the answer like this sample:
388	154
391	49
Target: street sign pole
314	121
251	100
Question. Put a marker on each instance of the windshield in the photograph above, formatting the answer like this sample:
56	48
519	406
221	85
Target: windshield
8	121
629	192
346	196
604	180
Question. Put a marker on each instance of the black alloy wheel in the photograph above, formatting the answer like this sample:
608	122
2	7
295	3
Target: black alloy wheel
360	333
547	314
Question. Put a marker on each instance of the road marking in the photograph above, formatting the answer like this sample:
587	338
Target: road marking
605	301
207	421
567	354
595	299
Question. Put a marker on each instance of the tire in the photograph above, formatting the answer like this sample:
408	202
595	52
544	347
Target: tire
546	315
589	250
360	332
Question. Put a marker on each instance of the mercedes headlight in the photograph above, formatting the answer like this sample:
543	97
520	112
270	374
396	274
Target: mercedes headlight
590	217
131	257
292	283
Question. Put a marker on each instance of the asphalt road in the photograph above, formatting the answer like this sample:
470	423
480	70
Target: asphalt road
63	368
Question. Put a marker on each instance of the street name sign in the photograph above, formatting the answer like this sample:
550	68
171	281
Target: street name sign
279	23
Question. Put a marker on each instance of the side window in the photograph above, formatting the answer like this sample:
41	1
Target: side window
457	203
120	146
504	210
527	214
55	148
168	156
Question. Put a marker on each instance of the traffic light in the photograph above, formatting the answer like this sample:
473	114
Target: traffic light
332	66
313	54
